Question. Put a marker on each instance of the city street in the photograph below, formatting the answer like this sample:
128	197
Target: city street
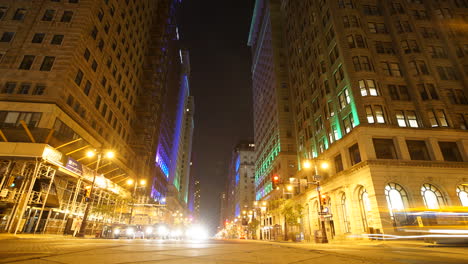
60	250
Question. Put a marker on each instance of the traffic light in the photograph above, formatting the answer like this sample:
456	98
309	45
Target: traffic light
11	182
88	191
275	179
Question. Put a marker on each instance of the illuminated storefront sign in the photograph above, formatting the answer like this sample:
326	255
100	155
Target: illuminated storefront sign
74	166
52	155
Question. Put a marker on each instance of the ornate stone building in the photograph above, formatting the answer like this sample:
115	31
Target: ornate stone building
379	91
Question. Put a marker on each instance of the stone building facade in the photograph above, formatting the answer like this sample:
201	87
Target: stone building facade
379	91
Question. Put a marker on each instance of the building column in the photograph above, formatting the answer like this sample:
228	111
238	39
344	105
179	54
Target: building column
402	148
463	146
366	147
345	159
434	149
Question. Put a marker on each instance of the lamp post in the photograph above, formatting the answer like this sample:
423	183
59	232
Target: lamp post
109	154
135	186
307	165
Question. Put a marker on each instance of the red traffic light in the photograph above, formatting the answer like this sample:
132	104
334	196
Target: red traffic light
275	178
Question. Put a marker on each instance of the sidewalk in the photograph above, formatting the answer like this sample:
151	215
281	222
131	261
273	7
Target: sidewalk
344	243
8	236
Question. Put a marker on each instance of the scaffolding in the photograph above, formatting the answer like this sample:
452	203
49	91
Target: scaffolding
38	197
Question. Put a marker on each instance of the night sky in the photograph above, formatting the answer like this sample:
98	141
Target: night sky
215	33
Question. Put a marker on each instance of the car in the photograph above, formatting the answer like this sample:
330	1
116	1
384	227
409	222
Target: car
129	231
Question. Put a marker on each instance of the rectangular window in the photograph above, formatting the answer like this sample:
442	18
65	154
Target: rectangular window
39	90
395	69
418	150
379	114
7	36
104	110
384	148
27	62
38	38
13	119
47	63
98	102
57	40
370	115
406	118
19	14
392	90
94	65
368	87
3	11
70	100
87	88
400	116
441	118
338	164
450	151
48	15
87	54
24	88
354	154
67	16
79	77
412	120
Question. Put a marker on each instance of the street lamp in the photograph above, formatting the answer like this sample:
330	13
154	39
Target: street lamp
136	184
91	153
307	164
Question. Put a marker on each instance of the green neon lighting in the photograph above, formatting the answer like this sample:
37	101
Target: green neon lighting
354	113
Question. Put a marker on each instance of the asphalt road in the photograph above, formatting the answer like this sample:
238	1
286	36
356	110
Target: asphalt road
88	251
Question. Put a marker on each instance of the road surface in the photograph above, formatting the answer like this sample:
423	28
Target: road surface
88	251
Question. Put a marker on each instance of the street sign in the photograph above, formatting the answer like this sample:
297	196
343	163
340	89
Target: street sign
317	177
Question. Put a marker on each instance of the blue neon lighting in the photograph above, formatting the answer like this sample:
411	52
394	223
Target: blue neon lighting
237	163
162	164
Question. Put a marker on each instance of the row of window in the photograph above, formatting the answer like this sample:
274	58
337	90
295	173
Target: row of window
385	149
48	15
405	118
28	60
87	88
23	88
13	119
427	91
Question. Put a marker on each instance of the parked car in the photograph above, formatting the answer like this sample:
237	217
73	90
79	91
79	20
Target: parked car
129	231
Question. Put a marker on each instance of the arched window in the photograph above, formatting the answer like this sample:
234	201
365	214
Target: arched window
397	201
364	203
346	223
462	192
433	199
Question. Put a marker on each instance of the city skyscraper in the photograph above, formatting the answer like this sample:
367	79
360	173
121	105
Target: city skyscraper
378	92
79	76
273	127
241	180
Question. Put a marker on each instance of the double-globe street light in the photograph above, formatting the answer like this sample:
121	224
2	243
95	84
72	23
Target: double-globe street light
307	164
108	154
136	184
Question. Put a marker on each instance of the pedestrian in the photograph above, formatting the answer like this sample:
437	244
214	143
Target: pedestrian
76	226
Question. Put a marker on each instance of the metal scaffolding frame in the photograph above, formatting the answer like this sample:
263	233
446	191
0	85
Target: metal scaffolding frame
24	199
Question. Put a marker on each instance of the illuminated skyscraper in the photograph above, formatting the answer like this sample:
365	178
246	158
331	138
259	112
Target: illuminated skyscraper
81	75
273	127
